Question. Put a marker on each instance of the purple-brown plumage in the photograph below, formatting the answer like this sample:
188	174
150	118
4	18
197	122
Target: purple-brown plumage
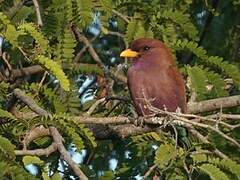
154	76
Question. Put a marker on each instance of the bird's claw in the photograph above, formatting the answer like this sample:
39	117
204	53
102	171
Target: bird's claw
139	121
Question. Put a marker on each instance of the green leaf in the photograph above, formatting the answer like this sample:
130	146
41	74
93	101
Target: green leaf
198	81
164	154
108	175
213	172
6	115
32	160
56	70
131	30
6	148
182	20
199	157
227	164
56	176
32	29
84	11
45	176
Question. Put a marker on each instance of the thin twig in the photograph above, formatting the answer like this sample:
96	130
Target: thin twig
80	53
38	14
114	33
5	57
94	106
150	170
42	80
81	38
29	102
125	18
24	54
205	140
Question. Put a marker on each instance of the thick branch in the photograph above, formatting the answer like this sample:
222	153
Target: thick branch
213	104
16	73
33	134
126	129
37	152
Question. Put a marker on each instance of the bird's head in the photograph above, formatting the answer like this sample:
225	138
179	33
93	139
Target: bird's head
148	51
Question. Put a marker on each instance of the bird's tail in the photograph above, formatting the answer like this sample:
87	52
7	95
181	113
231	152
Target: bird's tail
183	137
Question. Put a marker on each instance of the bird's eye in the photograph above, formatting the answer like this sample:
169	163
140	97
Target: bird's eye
146	48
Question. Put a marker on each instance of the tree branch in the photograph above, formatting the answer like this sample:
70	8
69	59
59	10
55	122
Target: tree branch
16	73
97	125
125	18
38	14
81	38
57	138
37	152
29	102
213	104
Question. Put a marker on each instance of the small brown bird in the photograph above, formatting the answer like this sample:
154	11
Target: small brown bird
154	80
155	77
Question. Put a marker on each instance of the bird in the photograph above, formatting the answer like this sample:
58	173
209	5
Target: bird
153	78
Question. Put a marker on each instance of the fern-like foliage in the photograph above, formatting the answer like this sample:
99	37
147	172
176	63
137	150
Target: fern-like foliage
6	149
84	68
79	12
70	102
135	30
210	61
65	49
147	137
227	164
6	115
14	171
11	34
22	14
3	93
78	133
214	172
56	70
183	20
84	12
37	35
198	81
46	97
87	134
215	166
165	154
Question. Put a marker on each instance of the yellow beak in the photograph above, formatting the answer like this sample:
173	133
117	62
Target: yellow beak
129	53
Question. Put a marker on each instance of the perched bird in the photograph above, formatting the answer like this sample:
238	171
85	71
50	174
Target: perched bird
154	78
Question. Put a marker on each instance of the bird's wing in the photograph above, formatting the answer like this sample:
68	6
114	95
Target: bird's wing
179	87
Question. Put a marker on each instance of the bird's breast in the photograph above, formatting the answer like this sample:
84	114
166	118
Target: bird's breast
154	88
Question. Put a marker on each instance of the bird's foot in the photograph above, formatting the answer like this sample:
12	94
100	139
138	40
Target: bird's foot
139	121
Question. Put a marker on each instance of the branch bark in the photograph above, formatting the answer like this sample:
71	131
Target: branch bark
30	102
16	73
37	152
38	14
213	104
100	130
57	138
